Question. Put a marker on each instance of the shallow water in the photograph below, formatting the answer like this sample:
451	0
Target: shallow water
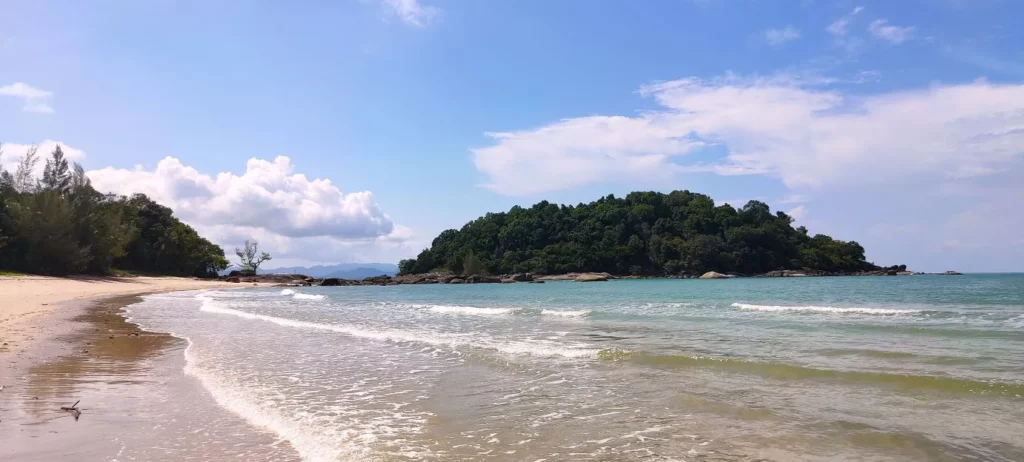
856	368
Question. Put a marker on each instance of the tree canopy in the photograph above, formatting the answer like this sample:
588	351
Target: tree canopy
645	233
62	225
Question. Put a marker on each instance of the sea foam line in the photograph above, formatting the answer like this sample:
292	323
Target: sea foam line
566	314
825	309
471	310
535	348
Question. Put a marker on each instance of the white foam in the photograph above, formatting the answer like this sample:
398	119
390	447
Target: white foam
299	296
287	292
566	314
454	341
470	310
825	309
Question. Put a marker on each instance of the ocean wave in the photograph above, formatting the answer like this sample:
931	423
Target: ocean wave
301	296
566	314
309	440
536	348
825	309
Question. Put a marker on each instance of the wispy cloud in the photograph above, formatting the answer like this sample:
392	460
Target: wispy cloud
840	27
776	37
412	12
35	100
894	34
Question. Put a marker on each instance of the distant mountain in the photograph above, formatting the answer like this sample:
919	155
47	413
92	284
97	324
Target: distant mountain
342	270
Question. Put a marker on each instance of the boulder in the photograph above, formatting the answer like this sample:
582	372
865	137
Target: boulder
327	282
232	279
951	273
715	275
508	281
521	277
456	281
591	277
536	282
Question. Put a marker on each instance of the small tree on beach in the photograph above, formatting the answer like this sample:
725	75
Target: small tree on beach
249	257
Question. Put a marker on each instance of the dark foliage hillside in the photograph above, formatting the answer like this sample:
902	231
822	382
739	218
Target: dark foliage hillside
645	233
61	225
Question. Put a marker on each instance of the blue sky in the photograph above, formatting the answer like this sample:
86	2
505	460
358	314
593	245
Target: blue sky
896	124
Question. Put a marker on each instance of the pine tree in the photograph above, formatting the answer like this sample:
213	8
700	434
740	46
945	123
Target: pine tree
24	179
57	174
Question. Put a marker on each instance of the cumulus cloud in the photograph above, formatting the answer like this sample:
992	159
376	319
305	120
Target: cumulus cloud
894	34
268	195
776	37
412	12
34	99
809	137
13	152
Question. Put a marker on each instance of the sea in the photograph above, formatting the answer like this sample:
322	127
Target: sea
922	367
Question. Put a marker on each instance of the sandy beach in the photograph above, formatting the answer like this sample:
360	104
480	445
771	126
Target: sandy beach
27	301
67	339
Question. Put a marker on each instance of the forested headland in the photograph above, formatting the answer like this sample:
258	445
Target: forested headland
62	225
645	233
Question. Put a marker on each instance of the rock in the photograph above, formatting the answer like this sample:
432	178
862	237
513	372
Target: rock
951	273
377	280
536	282
234	279
508	281
478	279
715	275
591	277
328	282
522	277
456	281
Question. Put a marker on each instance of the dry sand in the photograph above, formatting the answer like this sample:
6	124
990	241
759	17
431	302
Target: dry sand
27	301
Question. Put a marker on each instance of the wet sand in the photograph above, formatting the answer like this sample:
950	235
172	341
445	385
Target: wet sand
136	403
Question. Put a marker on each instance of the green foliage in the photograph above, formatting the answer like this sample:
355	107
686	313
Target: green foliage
62	225
645	233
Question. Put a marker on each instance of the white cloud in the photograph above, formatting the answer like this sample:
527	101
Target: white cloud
268	195
798	213
297	219
840	26
412	11
34	99
807	137
13	152
776	37
895	34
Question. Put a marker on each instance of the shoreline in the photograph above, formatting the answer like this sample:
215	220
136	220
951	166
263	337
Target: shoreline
87	350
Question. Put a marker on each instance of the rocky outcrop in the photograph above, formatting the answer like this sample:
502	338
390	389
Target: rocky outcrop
457	281
591	277
381	280
715	275
521	277
950	273
571	276
478	279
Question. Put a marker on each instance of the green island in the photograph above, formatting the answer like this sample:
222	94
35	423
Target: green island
643	234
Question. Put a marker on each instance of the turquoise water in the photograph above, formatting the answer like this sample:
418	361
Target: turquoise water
845	368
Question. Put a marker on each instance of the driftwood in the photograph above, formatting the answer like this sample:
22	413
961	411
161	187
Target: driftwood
73	409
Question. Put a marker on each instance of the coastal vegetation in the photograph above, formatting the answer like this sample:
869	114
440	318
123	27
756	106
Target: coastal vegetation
62	225
645	233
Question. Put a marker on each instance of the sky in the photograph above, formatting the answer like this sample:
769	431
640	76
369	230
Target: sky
356	131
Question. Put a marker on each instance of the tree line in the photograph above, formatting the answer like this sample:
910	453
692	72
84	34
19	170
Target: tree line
61	225
645	233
